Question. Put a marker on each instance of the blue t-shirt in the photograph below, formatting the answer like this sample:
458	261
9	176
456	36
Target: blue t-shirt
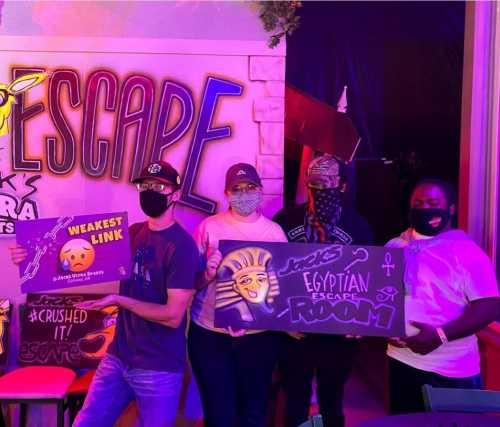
161	260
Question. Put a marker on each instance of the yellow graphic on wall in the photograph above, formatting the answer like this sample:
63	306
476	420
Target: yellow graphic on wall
252	283
4	320
104	335
9	91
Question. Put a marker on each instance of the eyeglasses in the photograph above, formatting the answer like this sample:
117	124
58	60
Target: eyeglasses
155	186
247	188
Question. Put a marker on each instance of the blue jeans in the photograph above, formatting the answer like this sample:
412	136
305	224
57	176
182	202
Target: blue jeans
115	385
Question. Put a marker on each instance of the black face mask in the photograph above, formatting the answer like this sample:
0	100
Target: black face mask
154	204
326	204
420	220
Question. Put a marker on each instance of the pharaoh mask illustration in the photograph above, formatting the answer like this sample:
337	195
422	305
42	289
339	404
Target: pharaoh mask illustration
9	91
76	255
245	279
95	344
4	319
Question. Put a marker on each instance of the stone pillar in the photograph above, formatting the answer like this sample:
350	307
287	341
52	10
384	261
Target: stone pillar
269	113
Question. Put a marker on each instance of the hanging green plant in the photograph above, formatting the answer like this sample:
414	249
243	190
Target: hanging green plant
280	18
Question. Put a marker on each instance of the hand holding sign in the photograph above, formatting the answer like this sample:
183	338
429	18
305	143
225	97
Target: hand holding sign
297	335
18	254
98	304
354	337
214	258
396	342
236	333
425	341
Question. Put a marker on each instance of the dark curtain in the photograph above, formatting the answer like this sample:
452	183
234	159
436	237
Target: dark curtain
402	63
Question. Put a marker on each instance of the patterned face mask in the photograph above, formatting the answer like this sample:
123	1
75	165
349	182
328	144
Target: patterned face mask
325	204
245	203
323	212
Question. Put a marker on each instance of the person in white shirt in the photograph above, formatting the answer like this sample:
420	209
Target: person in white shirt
451	293
233	369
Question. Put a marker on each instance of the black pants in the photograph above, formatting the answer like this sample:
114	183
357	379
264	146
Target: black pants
406	386
330	357
233	374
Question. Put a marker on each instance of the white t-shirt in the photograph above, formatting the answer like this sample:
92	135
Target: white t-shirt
443	275
224	226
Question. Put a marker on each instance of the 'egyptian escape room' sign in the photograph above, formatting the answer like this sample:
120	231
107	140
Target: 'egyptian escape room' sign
74	251
332	289
55	332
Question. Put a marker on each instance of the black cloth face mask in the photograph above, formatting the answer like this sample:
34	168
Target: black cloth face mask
422	220
326	205
322	214
154	204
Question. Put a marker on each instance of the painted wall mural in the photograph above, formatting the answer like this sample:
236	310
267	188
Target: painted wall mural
132	101
91	120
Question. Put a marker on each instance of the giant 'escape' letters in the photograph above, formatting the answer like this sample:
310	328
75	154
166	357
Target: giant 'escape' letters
104	154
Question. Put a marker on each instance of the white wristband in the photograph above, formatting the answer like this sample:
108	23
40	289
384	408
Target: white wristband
442	335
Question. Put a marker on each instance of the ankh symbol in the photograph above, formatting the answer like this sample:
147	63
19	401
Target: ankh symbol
388	266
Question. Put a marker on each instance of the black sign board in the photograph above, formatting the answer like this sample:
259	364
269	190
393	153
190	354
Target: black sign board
55	332
322	288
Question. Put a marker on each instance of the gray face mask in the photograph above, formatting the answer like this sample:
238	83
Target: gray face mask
245	203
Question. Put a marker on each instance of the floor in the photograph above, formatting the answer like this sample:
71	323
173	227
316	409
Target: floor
361	404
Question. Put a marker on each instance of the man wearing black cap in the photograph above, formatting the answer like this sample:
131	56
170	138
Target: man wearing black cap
325	218
146	359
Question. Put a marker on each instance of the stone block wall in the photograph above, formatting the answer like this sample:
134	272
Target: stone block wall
269	113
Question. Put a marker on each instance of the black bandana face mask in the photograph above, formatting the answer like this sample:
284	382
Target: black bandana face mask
154	204
322	214
325	204
429	222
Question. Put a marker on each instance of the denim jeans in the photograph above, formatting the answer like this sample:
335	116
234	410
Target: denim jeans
115	385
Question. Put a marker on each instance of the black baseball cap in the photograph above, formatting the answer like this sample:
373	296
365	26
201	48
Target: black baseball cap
241	172
160	171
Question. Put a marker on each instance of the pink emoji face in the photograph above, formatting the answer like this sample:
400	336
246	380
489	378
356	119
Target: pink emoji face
77	255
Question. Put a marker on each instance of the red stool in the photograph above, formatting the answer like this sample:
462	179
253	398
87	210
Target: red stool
37	384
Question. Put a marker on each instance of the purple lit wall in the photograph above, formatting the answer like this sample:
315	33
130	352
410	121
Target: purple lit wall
113	77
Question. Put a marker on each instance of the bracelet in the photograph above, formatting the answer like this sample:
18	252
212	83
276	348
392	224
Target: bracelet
442	335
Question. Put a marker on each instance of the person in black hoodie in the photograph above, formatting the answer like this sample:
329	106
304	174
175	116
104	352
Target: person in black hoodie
324	218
